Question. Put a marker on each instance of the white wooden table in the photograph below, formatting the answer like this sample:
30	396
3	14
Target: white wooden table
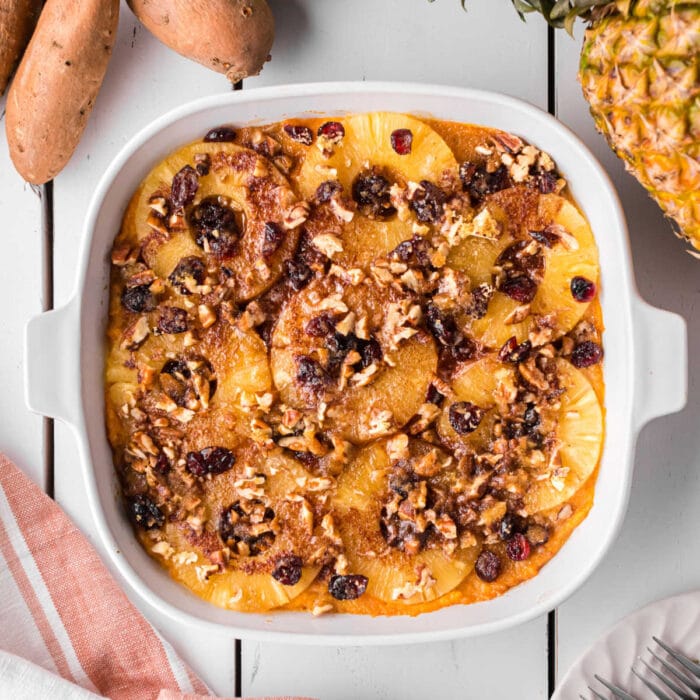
411	40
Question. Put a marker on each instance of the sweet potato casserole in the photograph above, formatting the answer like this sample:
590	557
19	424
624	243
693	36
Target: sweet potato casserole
354	364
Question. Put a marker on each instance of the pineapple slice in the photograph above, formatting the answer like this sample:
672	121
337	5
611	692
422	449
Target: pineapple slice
240	363
580	435
573	427
246	188
353	354
477	383
246	584
575	255
393	575
367	144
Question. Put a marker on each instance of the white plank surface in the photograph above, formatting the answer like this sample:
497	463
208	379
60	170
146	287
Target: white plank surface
656	553
463	669
144	80
406	40
21	435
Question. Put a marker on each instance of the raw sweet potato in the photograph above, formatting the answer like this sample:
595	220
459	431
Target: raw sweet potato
56	84
233	37
17	20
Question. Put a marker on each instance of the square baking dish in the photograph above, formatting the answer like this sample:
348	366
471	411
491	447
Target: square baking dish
645	364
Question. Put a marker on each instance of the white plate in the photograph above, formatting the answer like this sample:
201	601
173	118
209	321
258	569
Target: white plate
675	621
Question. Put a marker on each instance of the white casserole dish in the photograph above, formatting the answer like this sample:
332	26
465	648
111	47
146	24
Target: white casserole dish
645	364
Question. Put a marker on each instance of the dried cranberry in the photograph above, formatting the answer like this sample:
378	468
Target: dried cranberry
465	417
184	187
515	260
138	299
545	237
488	566
221	134
517	547
481	296
479	183
320	326
521	288
215	227
177	369
371	192
172	320
402	141
512	352
428	202
440	324
513	429
288	570
332	131
582	289
347	587
546	181
145	513
300	134
511	524
531	418
338	346
210	460
298	273
463	350
273	235
370	352
189	272
310	373
162	465
434	396
326	190
586	354
414	251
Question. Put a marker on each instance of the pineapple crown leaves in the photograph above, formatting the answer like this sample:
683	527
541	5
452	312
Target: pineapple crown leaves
563	13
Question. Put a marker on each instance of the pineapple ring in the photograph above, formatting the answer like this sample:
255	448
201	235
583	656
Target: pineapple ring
256	192
392	575
246	584
562	263
240	363
475	383
578	420
368	143
309	376
580	432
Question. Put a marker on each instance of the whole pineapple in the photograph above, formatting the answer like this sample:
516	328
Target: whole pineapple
640	73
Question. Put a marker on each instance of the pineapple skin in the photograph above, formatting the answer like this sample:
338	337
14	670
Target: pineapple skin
640	73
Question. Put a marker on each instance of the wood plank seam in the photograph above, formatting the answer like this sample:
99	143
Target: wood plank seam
552	615
45	194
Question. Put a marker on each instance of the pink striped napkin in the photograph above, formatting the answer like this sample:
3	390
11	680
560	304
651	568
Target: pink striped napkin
65	626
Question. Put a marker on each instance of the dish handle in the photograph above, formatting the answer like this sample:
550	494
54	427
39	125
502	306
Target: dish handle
51	369
661	377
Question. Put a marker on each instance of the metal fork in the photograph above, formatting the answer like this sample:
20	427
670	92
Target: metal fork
671	678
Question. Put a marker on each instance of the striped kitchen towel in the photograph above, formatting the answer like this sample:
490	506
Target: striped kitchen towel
66	628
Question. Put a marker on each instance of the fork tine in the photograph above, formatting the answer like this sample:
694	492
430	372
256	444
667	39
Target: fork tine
680	658
674	671
669	683
615	690
597	696
654	688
